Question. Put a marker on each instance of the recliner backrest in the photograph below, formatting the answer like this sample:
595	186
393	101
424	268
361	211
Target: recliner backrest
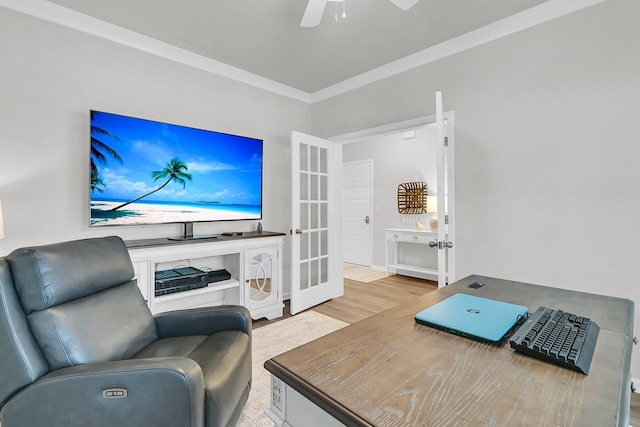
21	361
81	302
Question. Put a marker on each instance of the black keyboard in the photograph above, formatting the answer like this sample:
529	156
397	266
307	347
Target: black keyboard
558	337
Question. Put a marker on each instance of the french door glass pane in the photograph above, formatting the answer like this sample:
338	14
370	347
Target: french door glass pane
314	279
313	159
304	186
304	246
324	215
304	216
324	191
324	243
315	221
315	244
323	161
324	270
304	275
304	157
314	187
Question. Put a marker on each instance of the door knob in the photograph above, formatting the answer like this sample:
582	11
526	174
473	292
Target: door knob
366	219
447	244
433	244
298	231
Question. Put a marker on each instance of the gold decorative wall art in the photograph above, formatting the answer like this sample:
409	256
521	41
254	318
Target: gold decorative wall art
412	198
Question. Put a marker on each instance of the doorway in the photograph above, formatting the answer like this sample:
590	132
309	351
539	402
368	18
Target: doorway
315	253
357	214
413	135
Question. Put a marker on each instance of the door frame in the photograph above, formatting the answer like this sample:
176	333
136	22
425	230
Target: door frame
367	162
408	125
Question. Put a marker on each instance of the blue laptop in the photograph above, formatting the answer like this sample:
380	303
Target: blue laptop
472	317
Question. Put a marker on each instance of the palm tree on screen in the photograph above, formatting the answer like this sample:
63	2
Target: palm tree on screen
174	171
99	153
96	182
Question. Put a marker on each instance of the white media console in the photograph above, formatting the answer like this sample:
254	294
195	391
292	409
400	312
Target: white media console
253	259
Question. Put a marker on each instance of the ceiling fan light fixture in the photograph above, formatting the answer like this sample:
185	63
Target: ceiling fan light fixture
315	9
344	8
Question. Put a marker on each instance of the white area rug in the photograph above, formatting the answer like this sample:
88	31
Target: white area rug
363	274
272	340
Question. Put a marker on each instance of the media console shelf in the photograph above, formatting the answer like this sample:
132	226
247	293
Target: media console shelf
253	259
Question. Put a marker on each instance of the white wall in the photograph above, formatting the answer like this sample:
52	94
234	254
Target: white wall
52	76
397	160
546	149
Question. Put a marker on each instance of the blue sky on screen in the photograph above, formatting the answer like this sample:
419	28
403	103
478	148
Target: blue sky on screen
224	168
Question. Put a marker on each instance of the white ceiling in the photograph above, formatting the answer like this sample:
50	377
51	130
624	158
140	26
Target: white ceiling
261	41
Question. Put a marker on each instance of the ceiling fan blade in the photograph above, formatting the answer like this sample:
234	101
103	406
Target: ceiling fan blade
404	4
313	13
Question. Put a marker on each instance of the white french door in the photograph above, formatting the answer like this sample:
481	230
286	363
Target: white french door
357	190
444	193
316	264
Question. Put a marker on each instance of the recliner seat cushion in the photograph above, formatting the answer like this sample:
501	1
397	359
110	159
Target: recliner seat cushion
225	360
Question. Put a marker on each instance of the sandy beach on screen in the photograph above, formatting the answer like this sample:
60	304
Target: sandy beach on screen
151	213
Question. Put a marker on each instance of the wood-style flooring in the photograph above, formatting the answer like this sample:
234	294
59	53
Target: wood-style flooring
362	300
634	419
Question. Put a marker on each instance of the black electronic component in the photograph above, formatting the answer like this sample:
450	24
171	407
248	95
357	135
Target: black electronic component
476	285
218	275
179	280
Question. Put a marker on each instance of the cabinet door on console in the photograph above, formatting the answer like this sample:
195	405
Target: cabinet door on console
261	277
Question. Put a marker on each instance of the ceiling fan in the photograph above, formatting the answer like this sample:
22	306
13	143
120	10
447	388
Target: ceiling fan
315	10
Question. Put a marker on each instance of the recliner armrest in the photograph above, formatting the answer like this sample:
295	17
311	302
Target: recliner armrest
162	392
203	321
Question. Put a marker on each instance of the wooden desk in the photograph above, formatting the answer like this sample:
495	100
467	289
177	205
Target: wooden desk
389	371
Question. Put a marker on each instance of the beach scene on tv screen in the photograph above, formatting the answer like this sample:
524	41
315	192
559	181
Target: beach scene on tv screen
147	172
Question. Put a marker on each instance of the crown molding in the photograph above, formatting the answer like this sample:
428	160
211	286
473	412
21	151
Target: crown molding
528	18
78	21
536	15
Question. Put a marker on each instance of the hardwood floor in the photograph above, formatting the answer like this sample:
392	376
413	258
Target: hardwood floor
634	419
362	300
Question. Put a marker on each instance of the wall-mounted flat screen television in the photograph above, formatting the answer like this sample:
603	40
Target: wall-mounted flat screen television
148	172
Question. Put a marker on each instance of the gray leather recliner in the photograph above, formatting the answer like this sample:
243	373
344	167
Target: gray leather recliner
79	347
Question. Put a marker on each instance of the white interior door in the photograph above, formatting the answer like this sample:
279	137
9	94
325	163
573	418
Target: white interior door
445	194
357	189
316	262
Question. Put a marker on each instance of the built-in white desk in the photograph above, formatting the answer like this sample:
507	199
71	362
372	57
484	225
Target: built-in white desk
394	236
